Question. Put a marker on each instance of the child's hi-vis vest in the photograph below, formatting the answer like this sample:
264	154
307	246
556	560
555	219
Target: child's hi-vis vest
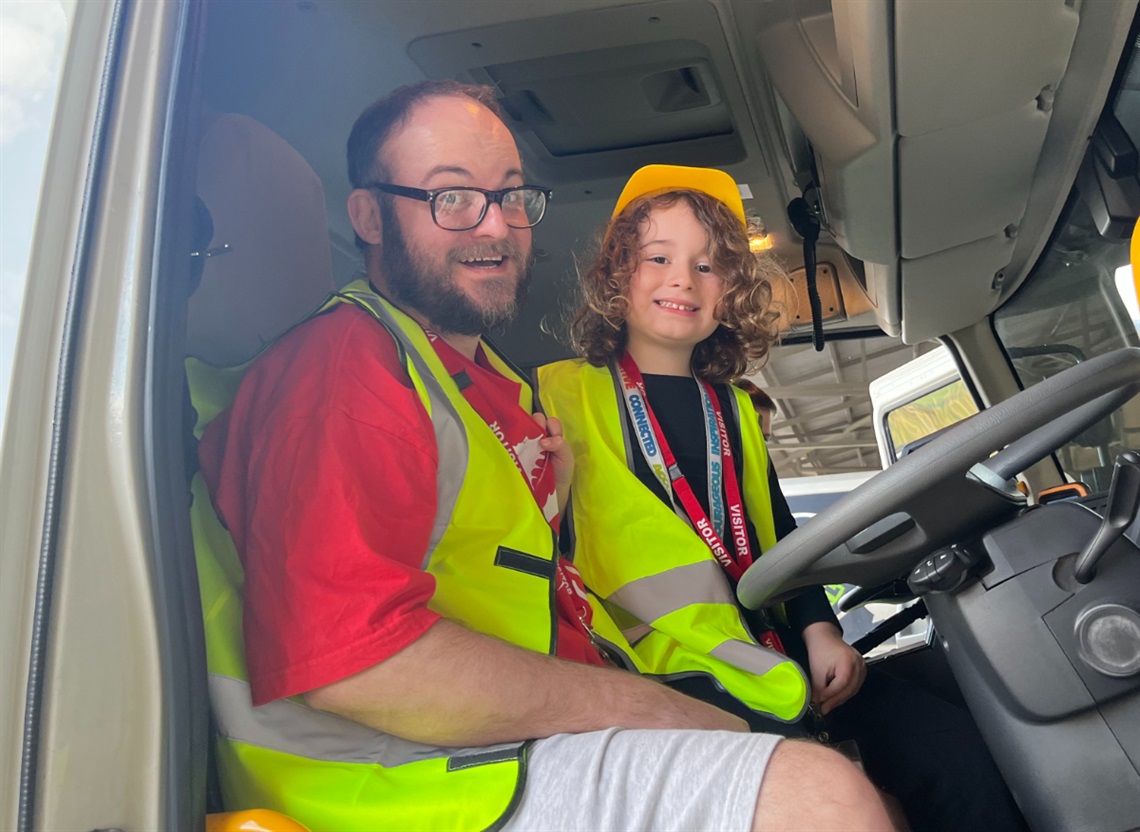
655	575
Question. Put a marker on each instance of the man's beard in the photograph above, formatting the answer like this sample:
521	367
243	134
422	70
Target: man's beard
417	284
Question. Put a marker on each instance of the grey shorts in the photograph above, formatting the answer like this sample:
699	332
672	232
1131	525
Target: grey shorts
651	780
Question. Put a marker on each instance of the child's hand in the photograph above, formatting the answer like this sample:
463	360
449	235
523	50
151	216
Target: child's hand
837	669
555	444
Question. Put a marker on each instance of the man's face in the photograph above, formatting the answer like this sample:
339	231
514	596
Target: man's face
461	282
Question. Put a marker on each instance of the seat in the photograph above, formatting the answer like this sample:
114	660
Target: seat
267	266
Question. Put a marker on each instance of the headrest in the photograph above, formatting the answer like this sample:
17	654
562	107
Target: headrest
268	206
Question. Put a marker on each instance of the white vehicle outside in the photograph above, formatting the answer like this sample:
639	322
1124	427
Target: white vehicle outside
919	398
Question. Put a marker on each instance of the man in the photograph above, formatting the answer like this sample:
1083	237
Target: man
765	407
392	500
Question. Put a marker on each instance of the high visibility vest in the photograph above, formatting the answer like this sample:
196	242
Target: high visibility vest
493	556
655	575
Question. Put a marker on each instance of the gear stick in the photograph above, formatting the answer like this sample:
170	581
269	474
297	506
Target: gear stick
1123	503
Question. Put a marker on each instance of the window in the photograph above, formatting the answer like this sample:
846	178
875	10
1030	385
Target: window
32	38
1071	309
917	400
928	414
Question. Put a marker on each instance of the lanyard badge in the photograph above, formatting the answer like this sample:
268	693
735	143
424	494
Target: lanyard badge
723	486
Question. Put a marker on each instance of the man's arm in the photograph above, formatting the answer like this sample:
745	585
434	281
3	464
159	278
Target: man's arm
455	687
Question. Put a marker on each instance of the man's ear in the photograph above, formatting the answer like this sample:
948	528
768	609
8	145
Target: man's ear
364	213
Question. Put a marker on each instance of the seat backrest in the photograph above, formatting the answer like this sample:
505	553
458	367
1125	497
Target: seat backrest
267	266
269	263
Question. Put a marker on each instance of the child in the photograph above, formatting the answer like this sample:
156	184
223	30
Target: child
673	495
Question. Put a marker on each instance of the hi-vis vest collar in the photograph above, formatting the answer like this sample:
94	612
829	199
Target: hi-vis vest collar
493	556
656	576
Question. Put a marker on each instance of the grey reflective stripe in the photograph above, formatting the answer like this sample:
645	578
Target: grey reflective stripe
451	445
450	435
759	660
294	728
751	657
482	758
625	438
655	596
735	406
636	633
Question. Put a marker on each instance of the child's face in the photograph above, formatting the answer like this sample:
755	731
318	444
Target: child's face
674	293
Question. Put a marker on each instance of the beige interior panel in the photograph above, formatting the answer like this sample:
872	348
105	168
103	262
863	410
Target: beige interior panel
968	181
839	90
950	288
885	290
102	760
964	60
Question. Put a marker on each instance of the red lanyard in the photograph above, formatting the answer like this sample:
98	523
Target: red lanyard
637	402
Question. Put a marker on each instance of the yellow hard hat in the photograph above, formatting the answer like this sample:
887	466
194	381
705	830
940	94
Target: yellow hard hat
653	179
1135	256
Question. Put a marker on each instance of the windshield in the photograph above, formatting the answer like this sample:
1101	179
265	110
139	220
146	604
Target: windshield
1070	310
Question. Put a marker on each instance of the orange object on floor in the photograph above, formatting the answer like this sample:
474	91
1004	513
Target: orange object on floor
252	820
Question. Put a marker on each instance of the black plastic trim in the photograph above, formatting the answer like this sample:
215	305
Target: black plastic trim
881	533
186	730
520	787
967	379
522	562
787	340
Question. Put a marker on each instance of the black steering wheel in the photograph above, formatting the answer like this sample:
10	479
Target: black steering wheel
947	489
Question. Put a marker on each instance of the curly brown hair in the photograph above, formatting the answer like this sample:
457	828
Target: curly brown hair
747	321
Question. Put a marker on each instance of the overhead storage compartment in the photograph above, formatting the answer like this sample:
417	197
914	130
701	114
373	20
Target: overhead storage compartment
927	121
597	94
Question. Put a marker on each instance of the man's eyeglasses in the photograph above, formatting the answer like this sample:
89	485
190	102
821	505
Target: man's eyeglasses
461	209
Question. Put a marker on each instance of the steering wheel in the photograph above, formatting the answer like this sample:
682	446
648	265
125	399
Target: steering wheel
945	490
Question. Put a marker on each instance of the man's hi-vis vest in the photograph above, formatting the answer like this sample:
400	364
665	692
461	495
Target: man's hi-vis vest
656	576
493	556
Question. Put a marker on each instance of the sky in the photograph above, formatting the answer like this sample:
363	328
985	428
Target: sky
32	34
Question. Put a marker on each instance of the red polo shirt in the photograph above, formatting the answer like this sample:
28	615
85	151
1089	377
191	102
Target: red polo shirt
324	472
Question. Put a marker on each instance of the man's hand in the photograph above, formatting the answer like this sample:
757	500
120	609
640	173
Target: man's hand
561	457
837	669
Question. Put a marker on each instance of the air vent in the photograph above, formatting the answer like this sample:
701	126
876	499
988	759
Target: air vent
675	90
614	99
596	93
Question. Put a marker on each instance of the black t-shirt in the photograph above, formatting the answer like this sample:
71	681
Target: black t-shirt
676	402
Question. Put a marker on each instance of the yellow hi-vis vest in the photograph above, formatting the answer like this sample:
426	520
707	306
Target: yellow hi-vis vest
493	556
656	576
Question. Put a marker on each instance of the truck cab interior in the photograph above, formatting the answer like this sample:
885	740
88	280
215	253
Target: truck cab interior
972	168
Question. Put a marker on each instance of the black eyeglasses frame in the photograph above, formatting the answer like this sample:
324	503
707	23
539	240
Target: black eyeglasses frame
491	196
